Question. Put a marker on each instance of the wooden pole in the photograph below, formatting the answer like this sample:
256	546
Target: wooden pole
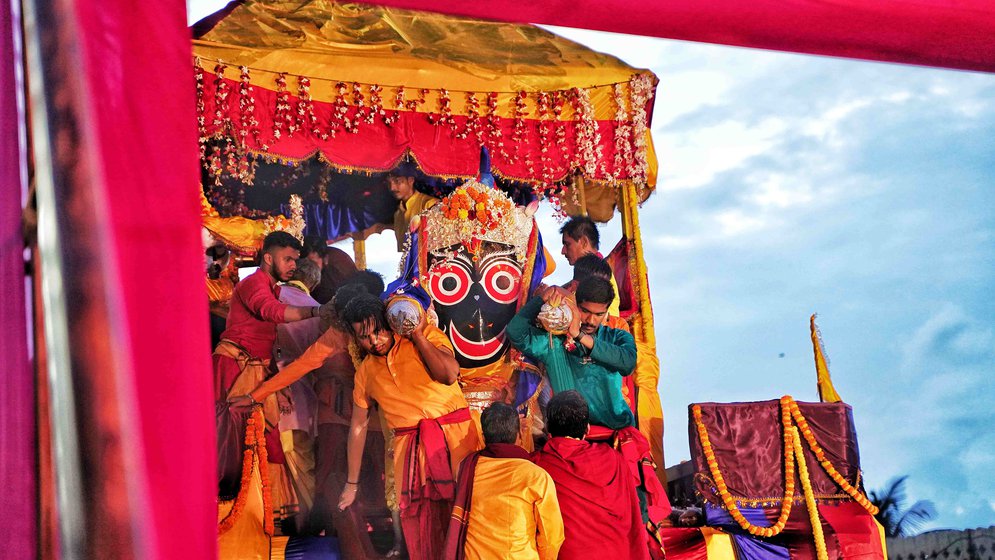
359	252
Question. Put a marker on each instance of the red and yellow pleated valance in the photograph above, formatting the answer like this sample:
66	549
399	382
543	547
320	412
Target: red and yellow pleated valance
363	86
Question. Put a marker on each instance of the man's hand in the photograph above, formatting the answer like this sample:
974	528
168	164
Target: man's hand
555	295
573	331
243	403
326	314
348	496
284	402
419	330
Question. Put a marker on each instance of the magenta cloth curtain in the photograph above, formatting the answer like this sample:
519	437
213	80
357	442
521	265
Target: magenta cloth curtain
139	98
18	465
927	32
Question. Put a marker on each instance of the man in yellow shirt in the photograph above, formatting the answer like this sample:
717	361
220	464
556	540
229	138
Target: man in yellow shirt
506	506
401	182
413	379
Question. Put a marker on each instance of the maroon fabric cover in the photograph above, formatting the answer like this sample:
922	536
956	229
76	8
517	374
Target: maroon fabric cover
927	32
140	113
19	531
748	444
597	494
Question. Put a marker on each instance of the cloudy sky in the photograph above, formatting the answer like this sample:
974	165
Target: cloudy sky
862	191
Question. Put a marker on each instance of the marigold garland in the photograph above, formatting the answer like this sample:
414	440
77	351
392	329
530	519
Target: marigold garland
729	501
282	115
262	458
792	453
201	119
305	109
640	90
820	455
813	510
255	453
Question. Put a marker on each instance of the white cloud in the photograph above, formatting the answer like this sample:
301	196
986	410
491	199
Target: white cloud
780	191
691	159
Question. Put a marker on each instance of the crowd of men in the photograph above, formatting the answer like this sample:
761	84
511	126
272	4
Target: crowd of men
327	372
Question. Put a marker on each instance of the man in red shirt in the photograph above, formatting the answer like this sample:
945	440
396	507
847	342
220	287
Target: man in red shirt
594	487
242	358
255	311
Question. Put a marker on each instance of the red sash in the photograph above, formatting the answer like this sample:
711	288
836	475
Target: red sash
459	521
635	449
428	435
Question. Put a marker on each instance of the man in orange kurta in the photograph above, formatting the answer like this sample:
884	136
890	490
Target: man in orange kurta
506	506
414	381
329	360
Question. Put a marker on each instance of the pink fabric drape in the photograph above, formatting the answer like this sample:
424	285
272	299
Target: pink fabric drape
19	530
140	101
927	32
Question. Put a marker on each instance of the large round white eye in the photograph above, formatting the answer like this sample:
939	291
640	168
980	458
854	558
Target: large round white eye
502	281
450	283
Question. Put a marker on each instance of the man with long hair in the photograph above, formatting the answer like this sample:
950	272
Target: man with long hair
413	379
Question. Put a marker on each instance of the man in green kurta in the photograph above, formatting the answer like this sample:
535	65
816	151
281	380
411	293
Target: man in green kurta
591	358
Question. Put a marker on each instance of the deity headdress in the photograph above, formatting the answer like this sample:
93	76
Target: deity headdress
478	257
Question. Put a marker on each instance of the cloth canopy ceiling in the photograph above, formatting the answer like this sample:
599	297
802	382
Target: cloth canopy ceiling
365	87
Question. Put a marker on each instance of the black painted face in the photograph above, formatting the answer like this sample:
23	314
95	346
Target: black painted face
475	300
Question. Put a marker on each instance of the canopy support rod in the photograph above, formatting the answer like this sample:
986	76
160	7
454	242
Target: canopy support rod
359	252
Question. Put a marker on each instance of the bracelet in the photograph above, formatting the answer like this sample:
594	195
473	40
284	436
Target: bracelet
353	483
252	399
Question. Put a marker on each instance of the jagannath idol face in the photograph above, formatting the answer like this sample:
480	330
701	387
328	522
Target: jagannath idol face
475	299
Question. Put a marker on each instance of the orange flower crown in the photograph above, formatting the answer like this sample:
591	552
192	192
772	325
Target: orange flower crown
475	213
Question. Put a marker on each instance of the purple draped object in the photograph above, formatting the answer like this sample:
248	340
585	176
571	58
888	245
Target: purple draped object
748	443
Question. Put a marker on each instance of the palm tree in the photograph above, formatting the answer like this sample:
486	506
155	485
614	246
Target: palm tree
894	517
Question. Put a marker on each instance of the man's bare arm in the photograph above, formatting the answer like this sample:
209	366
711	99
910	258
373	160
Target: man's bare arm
357	442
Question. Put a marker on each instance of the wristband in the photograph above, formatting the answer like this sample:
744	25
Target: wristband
353	483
